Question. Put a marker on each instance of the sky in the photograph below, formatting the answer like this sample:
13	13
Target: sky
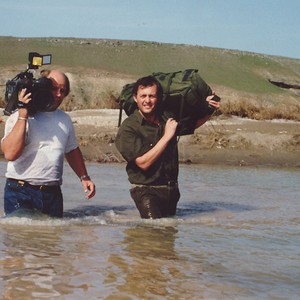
262	26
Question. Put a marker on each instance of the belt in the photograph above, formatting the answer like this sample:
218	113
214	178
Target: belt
165	183
170	183
36	187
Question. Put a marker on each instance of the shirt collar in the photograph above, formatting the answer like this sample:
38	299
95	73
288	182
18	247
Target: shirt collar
141	119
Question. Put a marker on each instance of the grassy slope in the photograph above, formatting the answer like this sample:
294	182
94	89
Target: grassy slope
237	76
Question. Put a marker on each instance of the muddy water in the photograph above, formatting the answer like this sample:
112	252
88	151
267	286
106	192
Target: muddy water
236	236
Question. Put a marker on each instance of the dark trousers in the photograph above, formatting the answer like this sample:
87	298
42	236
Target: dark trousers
45	199
155	202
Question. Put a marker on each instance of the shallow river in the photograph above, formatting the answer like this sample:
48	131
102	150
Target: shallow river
236	236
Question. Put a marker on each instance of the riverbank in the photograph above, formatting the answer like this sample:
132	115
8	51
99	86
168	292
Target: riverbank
228	141
222	140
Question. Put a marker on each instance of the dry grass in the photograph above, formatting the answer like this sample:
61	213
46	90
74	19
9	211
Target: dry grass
261	111
93	89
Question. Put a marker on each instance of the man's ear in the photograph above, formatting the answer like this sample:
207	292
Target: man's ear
134	98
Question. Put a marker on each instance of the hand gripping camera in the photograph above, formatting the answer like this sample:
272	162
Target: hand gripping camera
40	89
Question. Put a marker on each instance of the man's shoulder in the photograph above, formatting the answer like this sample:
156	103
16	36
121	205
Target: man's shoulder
63	114
133	119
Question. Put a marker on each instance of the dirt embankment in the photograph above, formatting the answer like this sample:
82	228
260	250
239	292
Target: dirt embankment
224	141
227	141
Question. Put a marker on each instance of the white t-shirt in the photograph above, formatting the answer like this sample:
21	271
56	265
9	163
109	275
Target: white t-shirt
49	135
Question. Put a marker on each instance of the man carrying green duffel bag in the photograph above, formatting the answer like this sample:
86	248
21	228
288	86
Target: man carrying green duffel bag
147	140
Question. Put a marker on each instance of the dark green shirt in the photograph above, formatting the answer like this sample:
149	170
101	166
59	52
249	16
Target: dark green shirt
135	137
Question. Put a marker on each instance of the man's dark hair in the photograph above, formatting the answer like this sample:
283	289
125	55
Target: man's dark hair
148	81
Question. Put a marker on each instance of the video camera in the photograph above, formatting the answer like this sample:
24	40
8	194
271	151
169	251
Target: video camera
40	89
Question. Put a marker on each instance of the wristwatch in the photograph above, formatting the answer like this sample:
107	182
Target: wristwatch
85	177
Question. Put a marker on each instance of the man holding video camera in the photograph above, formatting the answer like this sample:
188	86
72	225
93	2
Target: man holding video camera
35	146
149	145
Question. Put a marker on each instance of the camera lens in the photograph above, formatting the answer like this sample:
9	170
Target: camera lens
42	98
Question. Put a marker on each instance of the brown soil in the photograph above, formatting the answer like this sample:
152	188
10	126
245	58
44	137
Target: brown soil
224	141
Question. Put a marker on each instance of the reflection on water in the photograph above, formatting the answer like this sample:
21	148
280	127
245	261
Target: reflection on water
28	262
140	263
236	236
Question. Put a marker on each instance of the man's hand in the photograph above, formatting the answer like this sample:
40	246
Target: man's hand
89	188
213	103
23	97
170	128
213	100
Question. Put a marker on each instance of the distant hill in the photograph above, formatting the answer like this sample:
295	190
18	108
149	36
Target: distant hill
250	84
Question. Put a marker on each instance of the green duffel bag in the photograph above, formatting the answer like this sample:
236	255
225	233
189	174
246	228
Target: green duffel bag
184	99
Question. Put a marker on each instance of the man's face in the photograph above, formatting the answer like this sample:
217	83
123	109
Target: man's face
59	88
146	99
